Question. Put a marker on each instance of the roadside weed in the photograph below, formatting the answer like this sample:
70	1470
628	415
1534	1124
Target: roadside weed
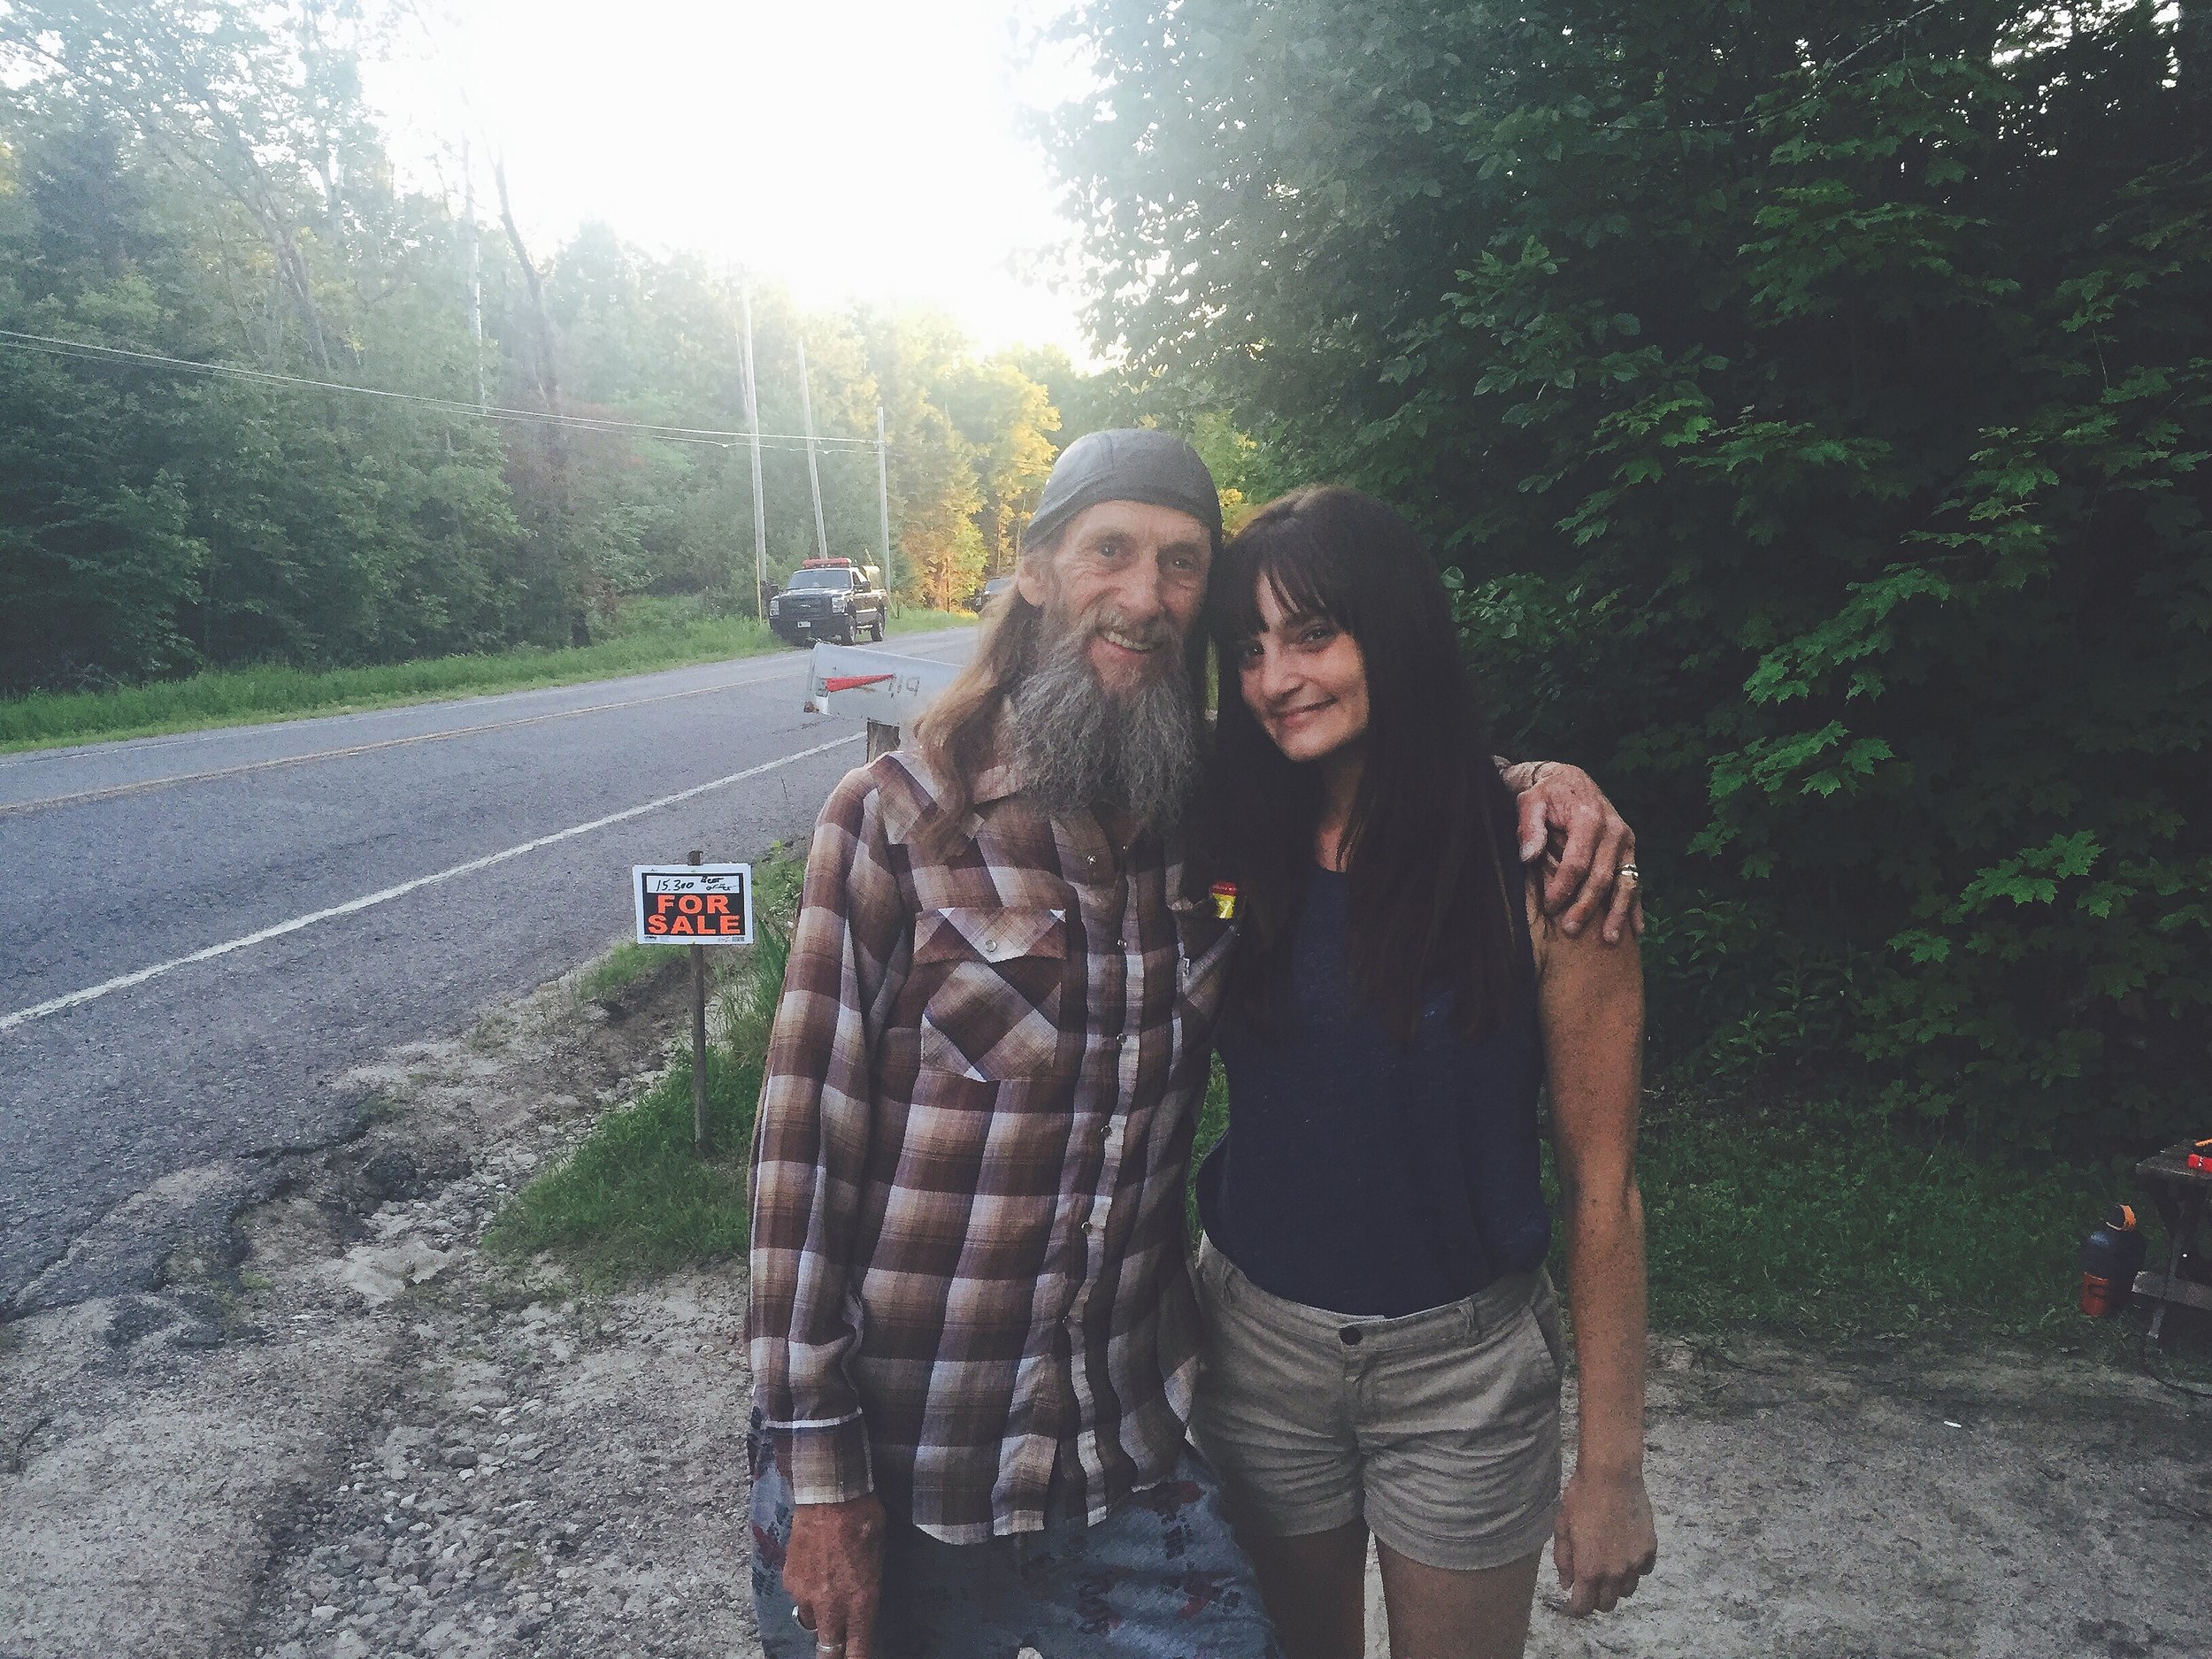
618	970
633	1199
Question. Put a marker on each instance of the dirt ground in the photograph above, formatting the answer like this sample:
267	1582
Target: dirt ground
348	1434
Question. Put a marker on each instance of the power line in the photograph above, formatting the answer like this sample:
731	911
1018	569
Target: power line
707	436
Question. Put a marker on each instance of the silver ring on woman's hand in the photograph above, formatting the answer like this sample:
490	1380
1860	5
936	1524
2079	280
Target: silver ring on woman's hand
829	1646
1629	873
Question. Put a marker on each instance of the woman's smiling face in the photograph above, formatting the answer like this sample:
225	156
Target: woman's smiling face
1304	680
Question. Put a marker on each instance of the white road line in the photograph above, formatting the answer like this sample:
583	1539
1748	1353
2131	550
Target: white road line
123	982
108	792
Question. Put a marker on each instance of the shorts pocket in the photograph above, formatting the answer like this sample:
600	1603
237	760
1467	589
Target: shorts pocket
1543	1311
993	981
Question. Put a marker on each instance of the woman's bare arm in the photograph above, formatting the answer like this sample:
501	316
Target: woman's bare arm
1591	995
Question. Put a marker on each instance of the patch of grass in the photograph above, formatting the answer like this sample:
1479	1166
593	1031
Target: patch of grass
1832	1225
665	634
914	619
380	1107
633	1199
618	970
1213	1121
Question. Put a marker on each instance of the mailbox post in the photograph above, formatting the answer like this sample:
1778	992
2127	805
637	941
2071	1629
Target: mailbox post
885	690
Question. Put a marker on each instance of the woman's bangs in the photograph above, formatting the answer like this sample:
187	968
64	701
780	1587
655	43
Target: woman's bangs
1295	564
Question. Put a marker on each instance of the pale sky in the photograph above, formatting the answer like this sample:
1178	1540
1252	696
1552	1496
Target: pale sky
858	149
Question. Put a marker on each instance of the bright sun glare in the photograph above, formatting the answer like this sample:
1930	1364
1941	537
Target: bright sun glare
856	149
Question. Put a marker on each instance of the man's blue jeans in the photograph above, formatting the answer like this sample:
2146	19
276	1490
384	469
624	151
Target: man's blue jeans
1159	1578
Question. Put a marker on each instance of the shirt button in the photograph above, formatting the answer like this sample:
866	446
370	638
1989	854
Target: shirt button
1350	1334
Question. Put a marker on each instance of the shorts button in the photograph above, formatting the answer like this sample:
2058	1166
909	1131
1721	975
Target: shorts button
1350	1334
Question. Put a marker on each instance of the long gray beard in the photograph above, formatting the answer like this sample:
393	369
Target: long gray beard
1077	749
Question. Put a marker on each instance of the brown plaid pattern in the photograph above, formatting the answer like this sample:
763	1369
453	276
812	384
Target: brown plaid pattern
968	1244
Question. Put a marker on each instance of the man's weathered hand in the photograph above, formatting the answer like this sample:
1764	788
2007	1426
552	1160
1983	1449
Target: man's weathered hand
834	1570
1604	1541
1562	811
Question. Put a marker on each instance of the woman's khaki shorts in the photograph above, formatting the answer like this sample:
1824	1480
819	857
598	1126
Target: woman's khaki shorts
1440	1429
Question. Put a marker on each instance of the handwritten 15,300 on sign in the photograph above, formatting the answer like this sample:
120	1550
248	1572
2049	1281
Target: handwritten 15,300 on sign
692	904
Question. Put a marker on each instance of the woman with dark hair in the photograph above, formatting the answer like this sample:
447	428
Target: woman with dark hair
1383	1351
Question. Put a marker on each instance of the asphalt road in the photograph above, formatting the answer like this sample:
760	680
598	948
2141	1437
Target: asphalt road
150	1105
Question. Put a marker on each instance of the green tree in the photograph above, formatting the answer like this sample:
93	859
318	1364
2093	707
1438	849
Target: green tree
1816	400
200	179
1008	420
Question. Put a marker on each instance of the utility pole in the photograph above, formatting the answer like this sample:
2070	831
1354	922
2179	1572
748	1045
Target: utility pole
883	498
813	472
476	266
760	503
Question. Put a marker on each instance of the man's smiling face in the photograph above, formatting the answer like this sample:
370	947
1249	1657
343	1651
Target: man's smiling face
1130	577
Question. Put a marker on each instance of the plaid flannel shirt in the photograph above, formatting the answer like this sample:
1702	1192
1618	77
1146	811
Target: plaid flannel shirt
968	1244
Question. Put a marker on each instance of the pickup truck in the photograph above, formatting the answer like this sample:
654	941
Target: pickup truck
830	599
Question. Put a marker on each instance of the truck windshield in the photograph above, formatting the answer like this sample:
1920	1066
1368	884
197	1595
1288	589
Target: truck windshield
831	577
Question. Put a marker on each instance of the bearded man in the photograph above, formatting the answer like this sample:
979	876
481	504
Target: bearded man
972	1331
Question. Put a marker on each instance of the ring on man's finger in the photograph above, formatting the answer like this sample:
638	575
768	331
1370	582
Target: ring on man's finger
1628	874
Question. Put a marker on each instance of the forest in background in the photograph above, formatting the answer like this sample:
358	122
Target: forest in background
1814	398
202	180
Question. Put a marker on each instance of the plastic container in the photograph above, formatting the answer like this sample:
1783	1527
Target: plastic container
2110	1258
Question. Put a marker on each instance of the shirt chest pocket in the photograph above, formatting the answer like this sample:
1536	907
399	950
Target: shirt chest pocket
1204	942
993	980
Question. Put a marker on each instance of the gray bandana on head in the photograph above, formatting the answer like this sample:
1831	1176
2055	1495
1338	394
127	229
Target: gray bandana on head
1126	464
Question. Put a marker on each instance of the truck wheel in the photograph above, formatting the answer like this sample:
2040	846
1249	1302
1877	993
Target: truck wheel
877	633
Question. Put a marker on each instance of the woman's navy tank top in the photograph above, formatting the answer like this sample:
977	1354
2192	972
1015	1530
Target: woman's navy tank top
1366	1176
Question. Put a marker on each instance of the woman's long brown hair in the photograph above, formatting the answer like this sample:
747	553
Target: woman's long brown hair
1430	854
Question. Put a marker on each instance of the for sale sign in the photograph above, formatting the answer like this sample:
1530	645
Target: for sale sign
694	904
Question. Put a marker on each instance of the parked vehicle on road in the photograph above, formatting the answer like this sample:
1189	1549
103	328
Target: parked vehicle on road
830	599
990	591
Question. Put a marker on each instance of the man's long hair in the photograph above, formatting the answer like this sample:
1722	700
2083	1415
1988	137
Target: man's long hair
954	737
1431	854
